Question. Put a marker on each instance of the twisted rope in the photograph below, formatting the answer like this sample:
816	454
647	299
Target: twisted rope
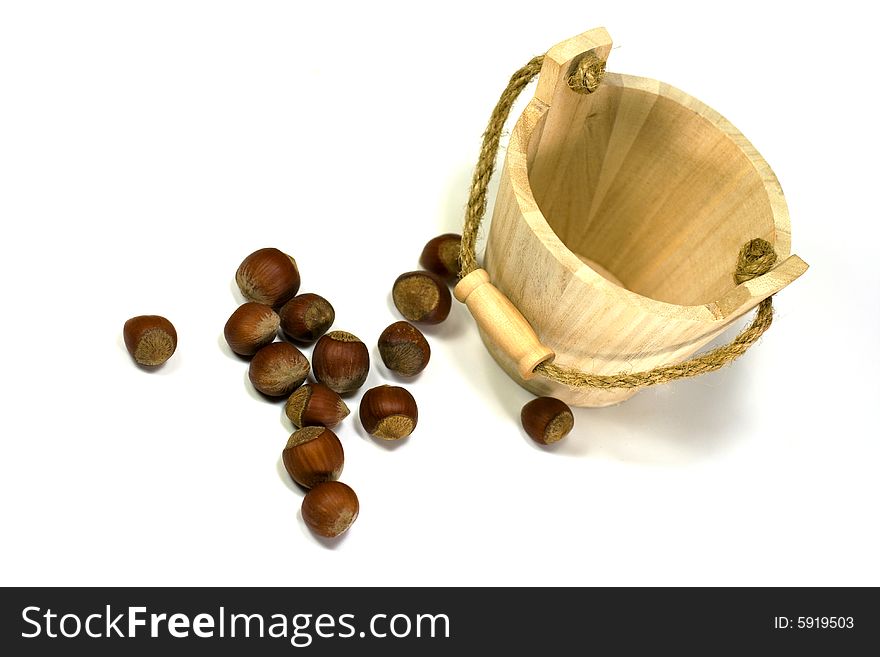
476	206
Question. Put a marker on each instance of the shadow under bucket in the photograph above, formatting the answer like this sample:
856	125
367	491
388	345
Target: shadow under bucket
618	222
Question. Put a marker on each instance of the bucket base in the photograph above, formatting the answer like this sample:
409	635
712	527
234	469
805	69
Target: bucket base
542	387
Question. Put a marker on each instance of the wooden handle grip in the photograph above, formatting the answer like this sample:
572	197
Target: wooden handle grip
502	323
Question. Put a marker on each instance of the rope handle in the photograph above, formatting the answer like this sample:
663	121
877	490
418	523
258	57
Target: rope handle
756	257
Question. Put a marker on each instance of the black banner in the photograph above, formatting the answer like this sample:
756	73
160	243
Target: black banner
113	621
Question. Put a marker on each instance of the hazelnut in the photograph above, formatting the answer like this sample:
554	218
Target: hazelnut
150	339
404	349
329	509
441	256
251	327
341	361
421	296
306	317
278	369
268	276
389	412
546	420
314	404
313	455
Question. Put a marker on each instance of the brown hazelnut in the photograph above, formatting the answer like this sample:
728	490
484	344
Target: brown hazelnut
404	349
313	455
268	276
441	256
341	361
251	327
278	369
389	412
314	404
421	296
150	339
547	419
306	317
329	509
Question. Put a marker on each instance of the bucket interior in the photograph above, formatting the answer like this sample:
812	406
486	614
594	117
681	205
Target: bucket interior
653	195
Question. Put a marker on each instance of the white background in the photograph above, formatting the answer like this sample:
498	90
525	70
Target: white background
146	148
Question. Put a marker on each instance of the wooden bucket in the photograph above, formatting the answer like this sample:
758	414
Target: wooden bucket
617	225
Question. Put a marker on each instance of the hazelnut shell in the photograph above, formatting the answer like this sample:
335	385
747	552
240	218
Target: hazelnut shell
313	455
441	256
268	276
314	404
341	362
330	508
278	369
404	349
388	412
421	296
150	339
547	420
306	317
250	328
